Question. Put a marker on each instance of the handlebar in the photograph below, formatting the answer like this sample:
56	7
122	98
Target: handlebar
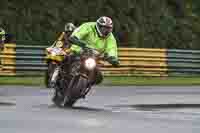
84	46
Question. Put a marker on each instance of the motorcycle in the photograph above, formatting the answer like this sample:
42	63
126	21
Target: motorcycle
54	55
76	77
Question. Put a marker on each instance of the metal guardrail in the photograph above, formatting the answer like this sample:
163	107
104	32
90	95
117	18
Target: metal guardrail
30	60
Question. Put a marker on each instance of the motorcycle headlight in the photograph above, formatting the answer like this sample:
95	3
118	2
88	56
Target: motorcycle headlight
53	53
90	63
56	51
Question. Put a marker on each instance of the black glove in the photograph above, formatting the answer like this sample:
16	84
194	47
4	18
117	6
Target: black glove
112	60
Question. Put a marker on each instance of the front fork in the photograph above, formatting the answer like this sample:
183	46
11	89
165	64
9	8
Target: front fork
73	81
89	86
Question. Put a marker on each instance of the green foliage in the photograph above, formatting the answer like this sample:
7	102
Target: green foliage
138	23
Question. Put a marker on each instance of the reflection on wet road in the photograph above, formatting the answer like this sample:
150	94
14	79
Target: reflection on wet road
106	109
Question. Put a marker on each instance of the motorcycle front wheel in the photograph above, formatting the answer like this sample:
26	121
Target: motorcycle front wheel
78	86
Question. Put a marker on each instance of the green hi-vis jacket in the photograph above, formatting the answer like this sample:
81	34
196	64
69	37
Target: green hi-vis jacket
87	33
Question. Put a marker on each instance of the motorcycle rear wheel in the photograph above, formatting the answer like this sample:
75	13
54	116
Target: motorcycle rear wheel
57	99
49	73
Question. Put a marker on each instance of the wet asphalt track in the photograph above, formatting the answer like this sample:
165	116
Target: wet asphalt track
105	110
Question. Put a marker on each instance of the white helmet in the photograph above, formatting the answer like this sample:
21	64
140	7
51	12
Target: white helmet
2	31
104	26
69	27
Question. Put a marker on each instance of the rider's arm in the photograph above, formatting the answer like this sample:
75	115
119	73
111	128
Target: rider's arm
77	37
76	40
61	36
111	51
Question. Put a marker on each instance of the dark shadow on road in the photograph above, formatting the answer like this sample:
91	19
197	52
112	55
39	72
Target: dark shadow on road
154	107
52	106
7	104
87	109
79	108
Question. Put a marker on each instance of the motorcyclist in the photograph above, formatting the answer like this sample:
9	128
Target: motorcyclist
2	37
2	41
64	37
97	35
61	42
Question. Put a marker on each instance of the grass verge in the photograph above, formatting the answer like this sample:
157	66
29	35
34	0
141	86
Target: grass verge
116	81
29	81
158	81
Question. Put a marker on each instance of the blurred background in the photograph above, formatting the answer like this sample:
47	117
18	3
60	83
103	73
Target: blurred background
162	36
137	23
155	88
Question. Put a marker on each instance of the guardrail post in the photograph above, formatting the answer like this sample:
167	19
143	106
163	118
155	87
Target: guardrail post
8	59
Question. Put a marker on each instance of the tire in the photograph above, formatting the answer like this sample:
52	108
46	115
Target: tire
49	73
69	102
75	91
58	99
